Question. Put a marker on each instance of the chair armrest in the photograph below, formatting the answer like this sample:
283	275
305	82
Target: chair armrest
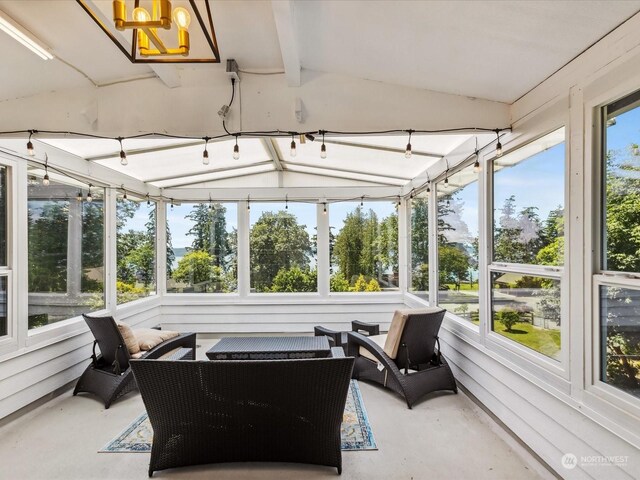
337	352
333	335
184	340
370	328
357	340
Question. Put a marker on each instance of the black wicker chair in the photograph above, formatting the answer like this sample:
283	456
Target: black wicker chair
244	410
418	367
109	375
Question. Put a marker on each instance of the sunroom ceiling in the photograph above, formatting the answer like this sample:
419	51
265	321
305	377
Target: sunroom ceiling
177	162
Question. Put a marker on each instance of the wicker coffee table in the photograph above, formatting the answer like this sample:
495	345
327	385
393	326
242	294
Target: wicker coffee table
269	348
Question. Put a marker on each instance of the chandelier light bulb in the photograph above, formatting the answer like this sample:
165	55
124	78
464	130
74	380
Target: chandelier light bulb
182	18
140	15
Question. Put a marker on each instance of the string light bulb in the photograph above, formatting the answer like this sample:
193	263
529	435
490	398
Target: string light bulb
362	201
205	154
30	145
429	188
324	208
498	145
446	178
476	165
323	148
172	204
45	179
89	196
79	196
123	156
398	203
148	201
286	202
407	152
124	197
236	150
248	203
294	151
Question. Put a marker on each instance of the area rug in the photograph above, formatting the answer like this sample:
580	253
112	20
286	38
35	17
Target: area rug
356	432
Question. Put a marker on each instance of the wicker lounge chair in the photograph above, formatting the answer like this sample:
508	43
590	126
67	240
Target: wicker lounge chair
244	410
109	375
406	359
339	339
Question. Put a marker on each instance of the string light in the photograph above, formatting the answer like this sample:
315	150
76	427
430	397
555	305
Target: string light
30	145
172	204
79	196
323	148
446	177
407	153
324	208
123	156
476	165
205	154
293	146
412	194
148	201
124	197
45	179
498	145
89	196
362	201
428	184
236	150
398	200
248	202
286	202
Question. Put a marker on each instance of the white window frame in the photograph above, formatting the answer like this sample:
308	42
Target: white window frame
10	342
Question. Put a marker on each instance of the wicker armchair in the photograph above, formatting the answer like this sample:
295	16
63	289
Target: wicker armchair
406	359
244	410
109	375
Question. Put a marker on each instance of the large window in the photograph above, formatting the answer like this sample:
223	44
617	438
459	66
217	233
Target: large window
528	236
420	245
363	240
202	248
282	245
66	251
458	243
620	252
136	249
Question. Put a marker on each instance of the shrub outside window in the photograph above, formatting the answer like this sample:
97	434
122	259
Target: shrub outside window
420	245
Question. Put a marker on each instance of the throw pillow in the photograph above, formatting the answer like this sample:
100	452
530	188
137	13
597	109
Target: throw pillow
129	337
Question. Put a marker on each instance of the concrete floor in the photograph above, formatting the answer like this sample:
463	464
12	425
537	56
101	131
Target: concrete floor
446	436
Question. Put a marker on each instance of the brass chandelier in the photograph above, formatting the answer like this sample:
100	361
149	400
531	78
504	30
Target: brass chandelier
147	25
148	20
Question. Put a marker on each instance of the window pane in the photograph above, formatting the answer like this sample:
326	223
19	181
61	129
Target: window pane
527	310
621	235
364	246
3	215
528	203
3	307
136	249
420	245
202	248
66	251
458	244
620	338
282	244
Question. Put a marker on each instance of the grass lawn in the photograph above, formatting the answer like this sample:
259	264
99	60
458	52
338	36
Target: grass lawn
541	340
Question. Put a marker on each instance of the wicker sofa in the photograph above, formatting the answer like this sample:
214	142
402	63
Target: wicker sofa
243	411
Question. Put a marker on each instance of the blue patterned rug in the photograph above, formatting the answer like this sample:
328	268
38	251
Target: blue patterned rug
355	432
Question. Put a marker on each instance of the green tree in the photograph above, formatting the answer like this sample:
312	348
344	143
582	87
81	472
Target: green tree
198	268
276	242
295	279
48	232
349	244
210	231
338	283
453	263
